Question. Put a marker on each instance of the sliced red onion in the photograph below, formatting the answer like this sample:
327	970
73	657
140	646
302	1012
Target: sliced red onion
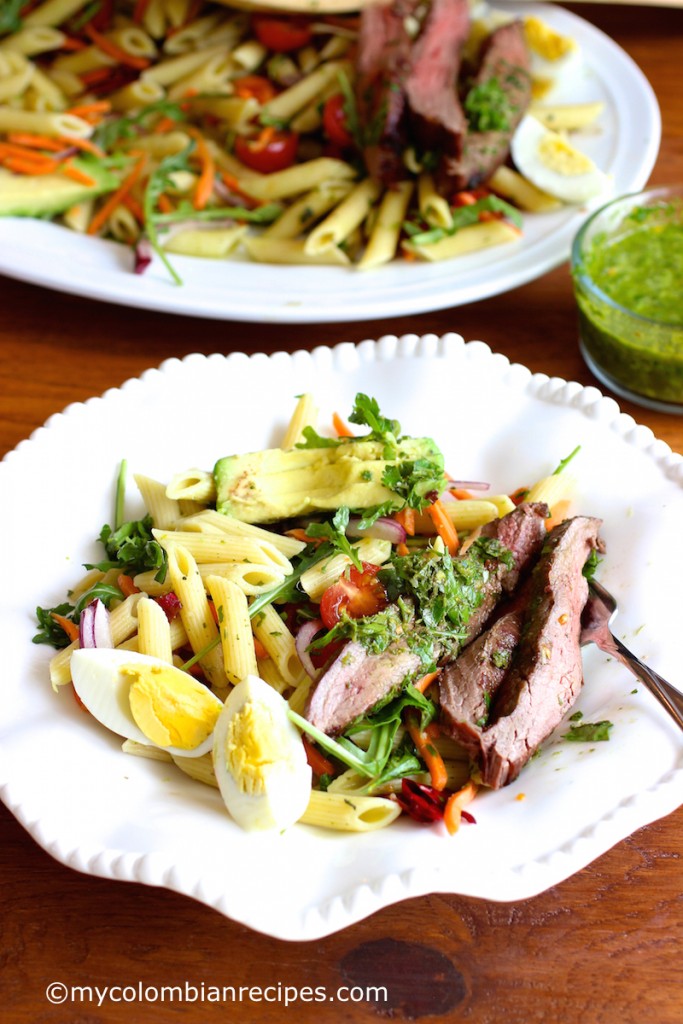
303	639
94	629
383	528
143	255
469	485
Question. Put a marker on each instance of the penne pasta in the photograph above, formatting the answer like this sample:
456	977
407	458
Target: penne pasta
305	415
349	813
154	631
339	224
473	238
195	613
234	624
163	510
278	641
383	241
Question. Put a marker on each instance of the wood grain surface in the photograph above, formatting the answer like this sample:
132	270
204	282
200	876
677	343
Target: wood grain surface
604	947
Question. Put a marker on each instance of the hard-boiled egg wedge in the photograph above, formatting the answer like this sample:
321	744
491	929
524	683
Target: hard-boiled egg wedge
555	59
552	164
146	699
259	759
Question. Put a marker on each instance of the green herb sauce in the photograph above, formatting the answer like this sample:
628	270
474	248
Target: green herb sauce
641	270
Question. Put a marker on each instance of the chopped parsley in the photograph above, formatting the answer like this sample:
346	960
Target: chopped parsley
588	732
487	107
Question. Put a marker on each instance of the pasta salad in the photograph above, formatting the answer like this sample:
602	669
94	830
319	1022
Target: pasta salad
334	631
196	128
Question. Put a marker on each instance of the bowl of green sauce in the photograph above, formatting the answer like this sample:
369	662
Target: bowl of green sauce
627	266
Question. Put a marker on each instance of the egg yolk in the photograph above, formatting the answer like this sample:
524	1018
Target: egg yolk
545	41
254	741
559	156
171	708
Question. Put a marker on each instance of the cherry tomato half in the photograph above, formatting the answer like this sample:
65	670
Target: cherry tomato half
335	122
271	151
282	34
257	86
356	593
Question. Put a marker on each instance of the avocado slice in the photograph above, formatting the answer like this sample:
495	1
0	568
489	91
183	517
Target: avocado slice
265	486
45	195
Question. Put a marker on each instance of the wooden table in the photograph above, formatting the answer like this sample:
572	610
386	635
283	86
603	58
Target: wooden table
603	947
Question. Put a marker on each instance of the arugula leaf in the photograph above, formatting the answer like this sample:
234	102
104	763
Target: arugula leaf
132	549
261	215
9	16
159	181
288	591
565	462
591	565
463	216
108	134
51	632
335	533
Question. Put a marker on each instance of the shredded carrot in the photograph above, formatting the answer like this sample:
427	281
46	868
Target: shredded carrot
518	496
260	651
453	809
84	144
444	527
464	199
402	550
113	201
25	153
131	203
559	514
318	762
126	585
71	43
405	517
205	182
234	185
165	204
342	429
22	166
461	495
115	51
76	174
426	681
35	141
89	111
429	754
164	124
69	627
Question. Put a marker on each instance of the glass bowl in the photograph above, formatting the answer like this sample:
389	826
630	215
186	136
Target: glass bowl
627	266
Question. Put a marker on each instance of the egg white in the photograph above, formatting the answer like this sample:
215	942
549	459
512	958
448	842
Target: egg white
103	688
550	163
550	70
273	790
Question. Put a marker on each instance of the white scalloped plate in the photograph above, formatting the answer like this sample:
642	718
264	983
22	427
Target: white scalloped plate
624	145
106	813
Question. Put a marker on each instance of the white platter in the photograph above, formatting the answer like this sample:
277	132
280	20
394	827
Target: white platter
106	813
625	146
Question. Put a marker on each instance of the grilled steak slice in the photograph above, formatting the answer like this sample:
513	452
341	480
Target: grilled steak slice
504	65
436	118
468	684
357	680
384	53
522	532
546	675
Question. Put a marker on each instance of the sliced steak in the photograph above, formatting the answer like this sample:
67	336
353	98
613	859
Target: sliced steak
436	117
467	685
356	681
382	66
546	675
523	533
504	58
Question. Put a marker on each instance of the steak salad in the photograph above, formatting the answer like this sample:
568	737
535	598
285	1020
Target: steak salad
335	631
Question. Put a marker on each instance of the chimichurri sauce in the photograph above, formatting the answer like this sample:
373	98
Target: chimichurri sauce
641	269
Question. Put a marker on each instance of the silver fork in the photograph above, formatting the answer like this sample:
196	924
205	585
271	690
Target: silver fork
595	629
